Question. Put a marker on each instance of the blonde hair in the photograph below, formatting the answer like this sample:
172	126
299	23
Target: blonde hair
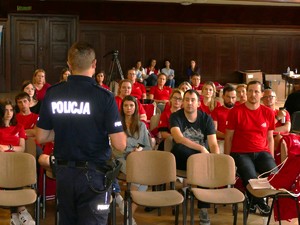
120	84
213	103
36	72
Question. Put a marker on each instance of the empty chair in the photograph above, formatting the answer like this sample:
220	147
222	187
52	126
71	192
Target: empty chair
18	181
151	168
210	177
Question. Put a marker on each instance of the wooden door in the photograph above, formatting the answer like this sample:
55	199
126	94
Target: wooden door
39	41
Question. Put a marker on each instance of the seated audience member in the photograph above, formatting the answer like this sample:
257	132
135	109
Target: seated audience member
208	101
193	132
241	94
219	114
160	93
12	139
65	72
40	84
192	69
196	82
139	71
125	87
29	88
151	74
138	90
184	86
170	74
249	140
99	77
25	117
137	135
164	125
292	103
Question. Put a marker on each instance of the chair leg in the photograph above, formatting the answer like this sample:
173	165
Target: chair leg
176	214
245	211
113	212
192	209
44	196
37	210
184	205
235	211
272	206
298	210
125	208
57	211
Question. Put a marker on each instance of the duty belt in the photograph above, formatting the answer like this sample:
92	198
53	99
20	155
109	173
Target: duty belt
82	165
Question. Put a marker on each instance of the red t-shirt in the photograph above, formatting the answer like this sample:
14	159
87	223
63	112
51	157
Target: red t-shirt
250	128
28	121
138	90
206	109
40	94
119	103
105	86
161	94
219	115
164	124
11	135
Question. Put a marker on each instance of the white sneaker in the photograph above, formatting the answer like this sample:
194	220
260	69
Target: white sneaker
25	218
133	221
14	219
120	202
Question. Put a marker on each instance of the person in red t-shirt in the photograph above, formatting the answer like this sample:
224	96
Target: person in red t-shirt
12	139
125	87
208	101
196	82
39	81
25	117
99	77
138	89
220	114
160	93
249	139
241	94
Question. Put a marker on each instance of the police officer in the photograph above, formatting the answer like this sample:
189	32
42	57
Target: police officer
80	117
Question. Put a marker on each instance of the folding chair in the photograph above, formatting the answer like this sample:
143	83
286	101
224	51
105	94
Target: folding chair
18	181
210	177
151	168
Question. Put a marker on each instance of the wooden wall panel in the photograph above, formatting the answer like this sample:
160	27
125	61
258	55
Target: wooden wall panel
219	51
3	74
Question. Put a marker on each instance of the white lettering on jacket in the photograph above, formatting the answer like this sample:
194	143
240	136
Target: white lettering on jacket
68	107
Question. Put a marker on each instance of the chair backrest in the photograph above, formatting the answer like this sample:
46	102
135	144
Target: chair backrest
30	146
154	121
295	128
150	167
168	144
210	170
17	170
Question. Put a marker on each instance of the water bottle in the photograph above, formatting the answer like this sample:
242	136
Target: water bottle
283	118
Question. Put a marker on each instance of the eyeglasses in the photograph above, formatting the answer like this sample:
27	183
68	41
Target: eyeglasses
177	99
269	97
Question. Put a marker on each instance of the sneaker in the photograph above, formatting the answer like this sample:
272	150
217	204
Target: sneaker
25	218
263	208
14	219
133	221
203	214
120	202
252	208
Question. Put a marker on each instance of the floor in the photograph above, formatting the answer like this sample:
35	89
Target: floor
222	217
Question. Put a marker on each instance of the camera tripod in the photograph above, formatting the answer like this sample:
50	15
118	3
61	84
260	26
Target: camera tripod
114	67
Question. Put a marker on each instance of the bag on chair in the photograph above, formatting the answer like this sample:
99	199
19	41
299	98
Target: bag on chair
287	178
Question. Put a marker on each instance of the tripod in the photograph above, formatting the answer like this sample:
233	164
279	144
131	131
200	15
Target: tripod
114	67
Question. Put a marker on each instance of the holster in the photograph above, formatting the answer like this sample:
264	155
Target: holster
53	164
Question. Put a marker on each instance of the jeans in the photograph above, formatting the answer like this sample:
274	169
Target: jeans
250	164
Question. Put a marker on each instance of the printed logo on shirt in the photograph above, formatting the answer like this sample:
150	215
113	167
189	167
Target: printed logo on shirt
118	124
264	124
71	107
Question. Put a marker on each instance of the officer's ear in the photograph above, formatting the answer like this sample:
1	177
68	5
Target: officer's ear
94	63
69	65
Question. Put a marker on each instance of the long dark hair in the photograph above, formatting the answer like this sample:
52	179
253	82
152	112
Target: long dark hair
25	84
134	129
13	120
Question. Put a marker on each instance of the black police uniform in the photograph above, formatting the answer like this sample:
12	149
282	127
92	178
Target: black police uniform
82	114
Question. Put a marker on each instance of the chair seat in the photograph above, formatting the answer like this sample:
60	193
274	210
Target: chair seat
262	193
157	198
219	196
11	198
